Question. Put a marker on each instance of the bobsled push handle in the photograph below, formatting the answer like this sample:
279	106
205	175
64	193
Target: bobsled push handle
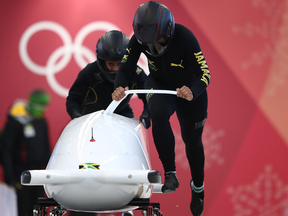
114	104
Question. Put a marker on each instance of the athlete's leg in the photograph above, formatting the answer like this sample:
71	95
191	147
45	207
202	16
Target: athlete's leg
191	118
161	107
190	115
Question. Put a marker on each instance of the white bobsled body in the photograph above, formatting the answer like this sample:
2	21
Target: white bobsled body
100	163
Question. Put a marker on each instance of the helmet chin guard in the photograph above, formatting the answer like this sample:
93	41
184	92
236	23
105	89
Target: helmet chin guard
105	73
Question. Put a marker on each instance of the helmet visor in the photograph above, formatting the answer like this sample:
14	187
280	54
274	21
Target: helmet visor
158	47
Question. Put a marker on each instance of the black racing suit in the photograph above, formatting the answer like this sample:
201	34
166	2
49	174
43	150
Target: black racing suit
91	92
25	146
182	64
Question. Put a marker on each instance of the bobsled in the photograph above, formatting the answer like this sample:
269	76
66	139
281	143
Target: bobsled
99	164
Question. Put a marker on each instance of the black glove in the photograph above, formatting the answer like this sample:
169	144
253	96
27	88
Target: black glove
145	118
75	114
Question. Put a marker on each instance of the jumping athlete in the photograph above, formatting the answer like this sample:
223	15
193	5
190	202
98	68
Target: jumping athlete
176	62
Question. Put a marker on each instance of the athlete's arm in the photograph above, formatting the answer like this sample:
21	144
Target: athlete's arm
128	63
198	62
77	94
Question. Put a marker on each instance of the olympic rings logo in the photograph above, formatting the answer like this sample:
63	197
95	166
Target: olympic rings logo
52	66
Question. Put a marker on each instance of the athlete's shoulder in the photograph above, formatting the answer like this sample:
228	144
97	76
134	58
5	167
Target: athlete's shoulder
133	39
185	38
90	67
182	30
88	71
133	45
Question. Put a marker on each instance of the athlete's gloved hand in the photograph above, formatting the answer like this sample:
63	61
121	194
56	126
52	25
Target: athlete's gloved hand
76	114
145	118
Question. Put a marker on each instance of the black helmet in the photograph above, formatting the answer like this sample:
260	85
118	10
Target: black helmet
154	26
110	47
